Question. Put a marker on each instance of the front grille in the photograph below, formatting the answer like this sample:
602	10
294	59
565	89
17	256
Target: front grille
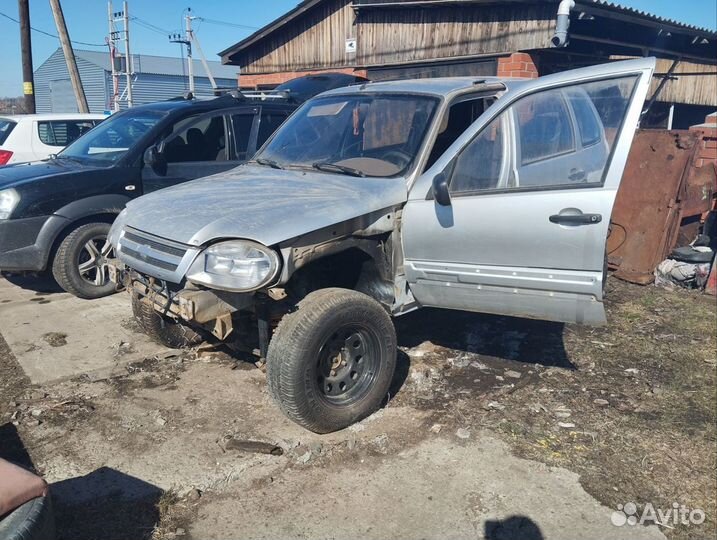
149	259
146	252
159	246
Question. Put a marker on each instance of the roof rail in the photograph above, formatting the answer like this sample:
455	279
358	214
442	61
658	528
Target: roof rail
264	95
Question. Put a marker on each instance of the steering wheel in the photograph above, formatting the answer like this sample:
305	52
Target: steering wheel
400	158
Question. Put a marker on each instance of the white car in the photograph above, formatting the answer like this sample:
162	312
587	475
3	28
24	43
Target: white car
32	137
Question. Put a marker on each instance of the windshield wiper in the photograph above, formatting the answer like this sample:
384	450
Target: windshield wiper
269	163
334	167
60	157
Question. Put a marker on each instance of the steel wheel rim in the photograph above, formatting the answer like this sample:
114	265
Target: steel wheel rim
92	261
348	363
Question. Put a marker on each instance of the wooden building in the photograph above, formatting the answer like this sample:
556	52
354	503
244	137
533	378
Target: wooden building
390	39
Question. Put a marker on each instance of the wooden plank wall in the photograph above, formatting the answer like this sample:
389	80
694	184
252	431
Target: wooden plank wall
695	90
314	40
410	34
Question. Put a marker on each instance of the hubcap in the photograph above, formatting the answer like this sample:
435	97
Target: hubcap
93	261
347	366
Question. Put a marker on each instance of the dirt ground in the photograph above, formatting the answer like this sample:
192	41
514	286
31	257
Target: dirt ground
495	428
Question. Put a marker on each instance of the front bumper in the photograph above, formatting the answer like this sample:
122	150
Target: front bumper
25	244
198	306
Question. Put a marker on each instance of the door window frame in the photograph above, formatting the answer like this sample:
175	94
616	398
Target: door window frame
508	107
198	118
253	132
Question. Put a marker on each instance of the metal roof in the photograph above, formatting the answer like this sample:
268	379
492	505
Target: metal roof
647	15
160	65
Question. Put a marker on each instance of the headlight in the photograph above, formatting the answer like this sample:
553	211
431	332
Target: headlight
116	229
235	265
8	201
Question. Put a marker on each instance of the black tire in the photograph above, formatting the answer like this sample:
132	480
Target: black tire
320	347
34	520
164	330
78	271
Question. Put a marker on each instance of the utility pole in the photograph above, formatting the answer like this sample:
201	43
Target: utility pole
28	80
112	36
118	67
69	56
187	40
129	71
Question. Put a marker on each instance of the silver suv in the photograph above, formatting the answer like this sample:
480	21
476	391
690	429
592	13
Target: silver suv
372	201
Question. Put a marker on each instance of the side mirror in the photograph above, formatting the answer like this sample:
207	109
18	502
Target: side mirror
440	189
154	157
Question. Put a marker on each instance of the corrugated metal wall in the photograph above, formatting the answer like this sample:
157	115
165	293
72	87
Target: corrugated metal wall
55	69
147	87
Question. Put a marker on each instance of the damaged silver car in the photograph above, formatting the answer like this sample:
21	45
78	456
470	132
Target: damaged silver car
372	201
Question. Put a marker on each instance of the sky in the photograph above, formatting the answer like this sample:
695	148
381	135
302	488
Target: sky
234	20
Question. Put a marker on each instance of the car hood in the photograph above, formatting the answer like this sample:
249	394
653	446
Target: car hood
261	204
15	175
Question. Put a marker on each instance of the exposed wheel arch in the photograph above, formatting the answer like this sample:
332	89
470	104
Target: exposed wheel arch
362	268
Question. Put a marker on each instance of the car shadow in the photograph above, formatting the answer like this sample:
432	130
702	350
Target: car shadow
41	283
491	336
105	504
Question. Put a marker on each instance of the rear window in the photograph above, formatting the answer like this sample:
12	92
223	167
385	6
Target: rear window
63	132
6	127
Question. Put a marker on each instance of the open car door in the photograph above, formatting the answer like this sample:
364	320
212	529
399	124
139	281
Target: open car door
530	190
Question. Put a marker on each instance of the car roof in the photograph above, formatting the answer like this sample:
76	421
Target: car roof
53	116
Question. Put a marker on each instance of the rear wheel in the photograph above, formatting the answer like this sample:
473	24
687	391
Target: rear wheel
164	330
80	263
331	362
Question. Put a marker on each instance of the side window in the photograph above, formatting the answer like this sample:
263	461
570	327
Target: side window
585	115
63	132
479	166
197	140
242	124
268	124
545	154
544	126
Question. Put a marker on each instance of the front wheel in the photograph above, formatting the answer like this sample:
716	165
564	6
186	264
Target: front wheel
331	362
80	263
163	330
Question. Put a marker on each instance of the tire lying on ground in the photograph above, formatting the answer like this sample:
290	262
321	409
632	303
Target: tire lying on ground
331	361
79	266
34	520
164	330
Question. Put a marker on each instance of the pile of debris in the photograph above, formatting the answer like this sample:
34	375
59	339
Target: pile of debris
691	266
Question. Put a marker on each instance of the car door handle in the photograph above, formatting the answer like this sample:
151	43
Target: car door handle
575	219
577	175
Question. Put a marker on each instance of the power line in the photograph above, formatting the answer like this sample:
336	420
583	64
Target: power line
149	26
224	23
53	35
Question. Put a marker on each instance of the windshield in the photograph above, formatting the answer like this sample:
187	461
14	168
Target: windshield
361	135
6	126
111	139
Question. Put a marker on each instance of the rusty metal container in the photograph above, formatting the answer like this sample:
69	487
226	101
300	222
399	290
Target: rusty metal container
661	190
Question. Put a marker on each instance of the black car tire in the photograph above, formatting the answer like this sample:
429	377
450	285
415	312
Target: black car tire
164	330
331	361
72	254
34	520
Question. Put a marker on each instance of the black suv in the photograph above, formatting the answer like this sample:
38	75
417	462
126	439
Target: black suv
56	214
